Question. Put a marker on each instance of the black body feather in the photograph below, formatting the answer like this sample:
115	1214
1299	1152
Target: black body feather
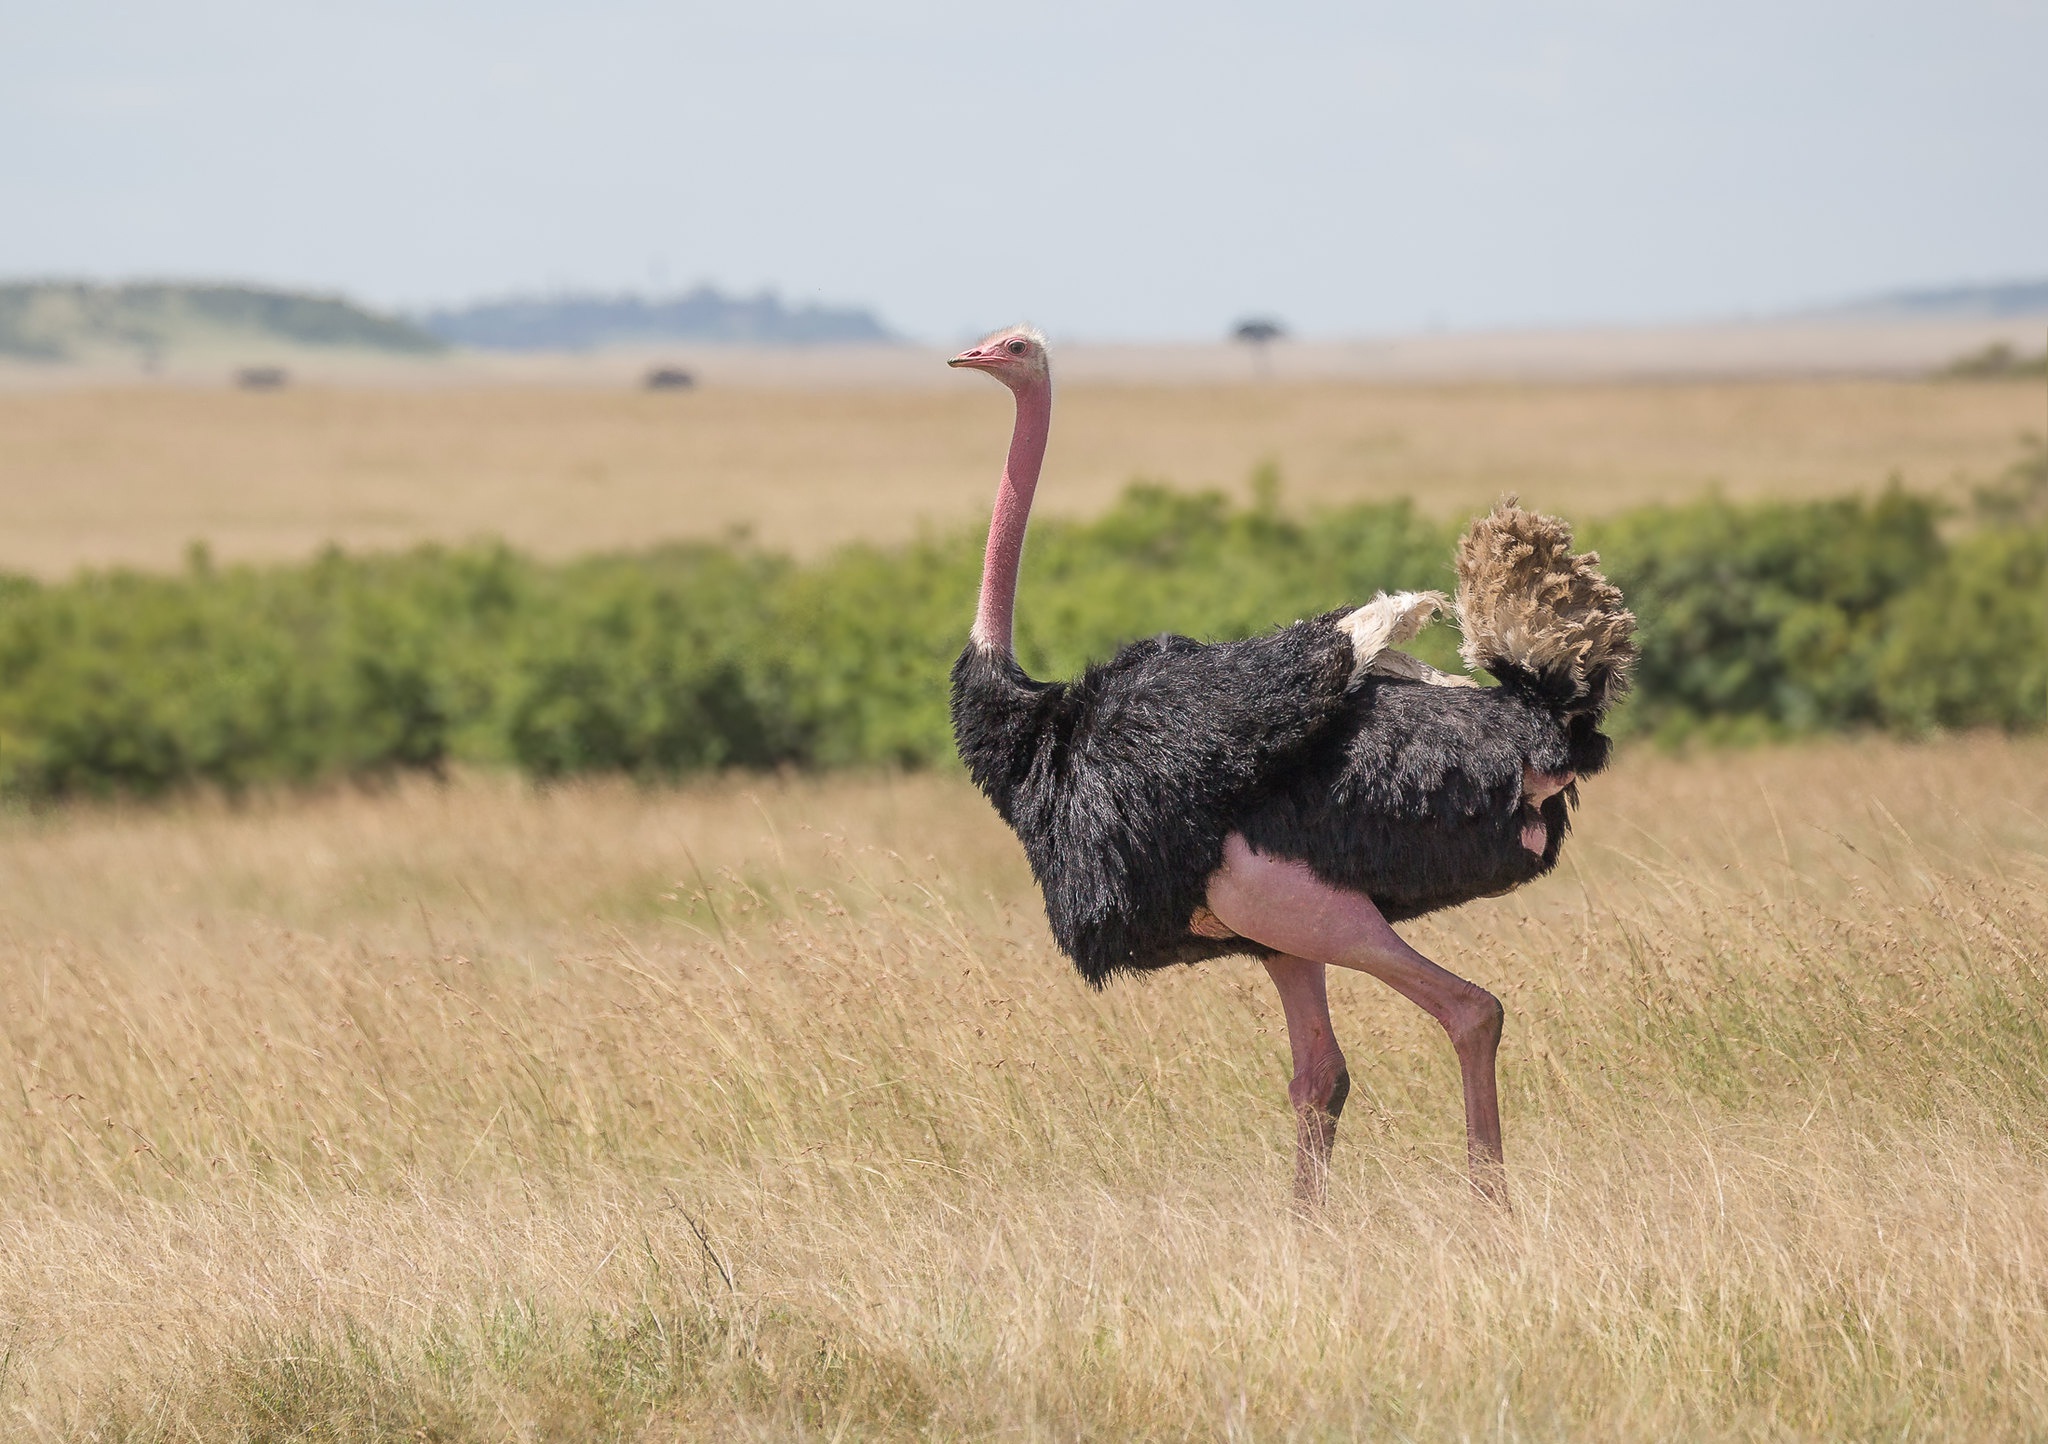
1415	798
1123	784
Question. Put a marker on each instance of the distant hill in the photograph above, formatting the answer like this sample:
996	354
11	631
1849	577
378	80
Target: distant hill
76	320
1990	301
577	322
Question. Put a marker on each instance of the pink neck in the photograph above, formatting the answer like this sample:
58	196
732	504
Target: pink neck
994	620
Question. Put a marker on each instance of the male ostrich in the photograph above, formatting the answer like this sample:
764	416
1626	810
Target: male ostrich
1290	794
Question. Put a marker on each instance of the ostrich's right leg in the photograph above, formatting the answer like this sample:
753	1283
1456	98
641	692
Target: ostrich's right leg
1284	905
1320	1081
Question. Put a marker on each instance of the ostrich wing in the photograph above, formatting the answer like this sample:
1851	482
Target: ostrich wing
1416	799
1123	783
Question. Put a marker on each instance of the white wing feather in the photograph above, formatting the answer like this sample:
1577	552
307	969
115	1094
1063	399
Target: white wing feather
1386	621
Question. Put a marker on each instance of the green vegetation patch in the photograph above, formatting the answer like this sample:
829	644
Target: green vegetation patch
1758	620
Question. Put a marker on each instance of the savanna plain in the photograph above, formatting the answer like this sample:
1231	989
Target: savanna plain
98	476
763	1108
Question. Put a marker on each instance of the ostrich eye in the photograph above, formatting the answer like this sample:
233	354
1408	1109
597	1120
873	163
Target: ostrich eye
1016	348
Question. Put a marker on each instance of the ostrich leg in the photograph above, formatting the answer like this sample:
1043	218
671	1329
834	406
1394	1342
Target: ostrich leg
1320	1081
1282	904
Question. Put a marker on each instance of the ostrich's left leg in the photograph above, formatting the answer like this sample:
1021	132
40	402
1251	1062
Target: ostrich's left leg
1284	905
1320	1082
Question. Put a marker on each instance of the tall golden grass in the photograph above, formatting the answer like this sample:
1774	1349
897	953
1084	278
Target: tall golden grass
96	477
765	1111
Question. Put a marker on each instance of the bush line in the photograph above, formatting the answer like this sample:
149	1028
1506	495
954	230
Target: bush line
1759	620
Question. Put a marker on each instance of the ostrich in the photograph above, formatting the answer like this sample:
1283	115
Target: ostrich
1292	795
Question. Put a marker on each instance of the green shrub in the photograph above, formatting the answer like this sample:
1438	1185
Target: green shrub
1768	617
1969	647
1757	620
652	666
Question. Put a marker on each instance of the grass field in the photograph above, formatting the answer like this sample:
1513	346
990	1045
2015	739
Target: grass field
765	1111
132	476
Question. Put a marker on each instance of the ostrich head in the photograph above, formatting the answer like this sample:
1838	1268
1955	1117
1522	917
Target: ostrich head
1015	356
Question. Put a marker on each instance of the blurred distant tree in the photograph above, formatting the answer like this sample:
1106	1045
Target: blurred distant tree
1996	361
1259	333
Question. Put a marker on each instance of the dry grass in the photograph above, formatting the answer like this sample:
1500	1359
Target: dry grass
766	1112
100	476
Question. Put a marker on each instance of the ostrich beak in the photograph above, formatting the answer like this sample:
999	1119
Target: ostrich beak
975	358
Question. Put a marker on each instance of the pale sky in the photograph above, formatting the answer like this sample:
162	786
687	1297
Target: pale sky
1113	169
